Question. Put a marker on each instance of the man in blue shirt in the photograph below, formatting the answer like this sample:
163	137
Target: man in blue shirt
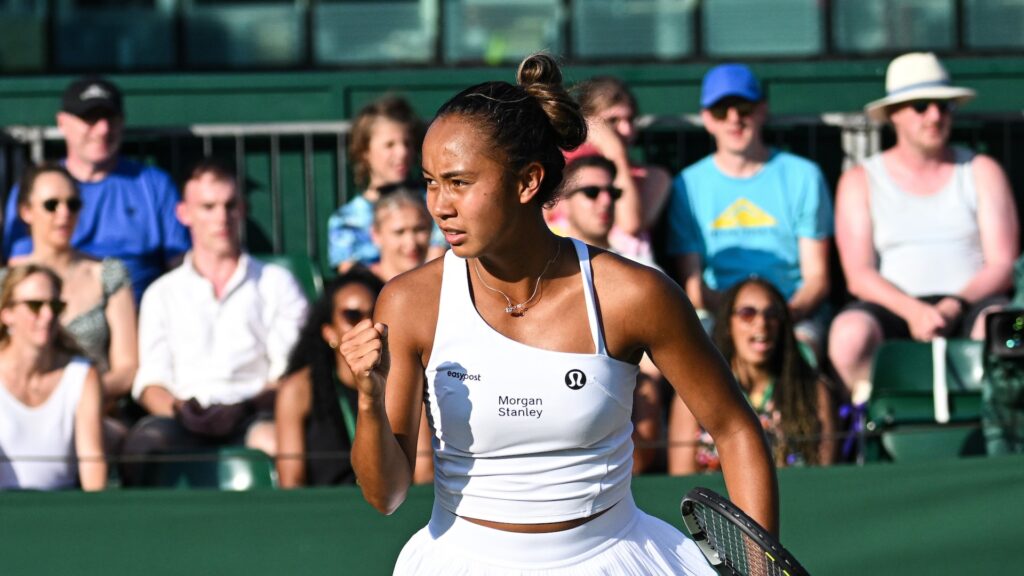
750	210
128	207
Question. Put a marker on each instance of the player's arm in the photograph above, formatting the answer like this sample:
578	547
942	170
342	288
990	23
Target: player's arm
386	357
665	324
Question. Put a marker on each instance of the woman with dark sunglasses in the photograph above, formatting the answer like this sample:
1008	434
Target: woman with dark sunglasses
100	311
754	332
51	434
317	401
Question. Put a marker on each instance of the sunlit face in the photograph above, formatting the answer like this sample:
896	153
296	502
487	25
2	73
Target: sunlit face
390	154
52	210
470	195
212	210
927	131
620	118
735	123
403	236
94	139
353	303
31	315
591	218
755	325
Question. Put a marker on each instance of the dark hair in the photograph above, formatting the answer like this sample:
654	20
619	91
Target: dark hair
311	351
533	121
602	92
9	280
796	381
390	107
588	161
32	173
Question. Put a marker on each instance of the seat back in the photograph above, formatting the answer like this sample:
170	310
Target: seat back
305	271
228	468
901	410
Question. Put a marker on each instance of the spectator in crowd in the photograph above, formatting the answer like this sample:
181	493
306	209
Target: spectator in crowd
51	436
385	137
610	109
792	400
400	231
589	195
100	311
927	232
749	209
317	402
214	334
127	207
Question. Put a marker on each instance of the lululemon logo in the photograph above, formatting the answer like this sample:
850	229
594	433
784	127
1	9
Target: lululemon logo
575	379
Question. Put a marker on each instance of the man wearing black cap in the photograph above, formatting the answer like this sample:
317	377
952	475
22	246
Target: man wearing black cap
128	208
749	210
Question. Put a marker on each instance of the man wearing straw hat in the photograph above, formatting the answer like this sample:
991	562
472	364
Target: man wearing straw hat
927	232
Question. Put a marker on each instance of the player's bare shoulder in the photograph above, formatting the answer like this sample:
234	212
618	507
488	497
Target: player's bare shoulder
628	286
410	301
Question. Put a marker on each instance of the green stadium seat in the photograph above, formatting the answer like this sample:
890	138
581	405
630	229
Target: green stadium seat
302	267
233	468
901	422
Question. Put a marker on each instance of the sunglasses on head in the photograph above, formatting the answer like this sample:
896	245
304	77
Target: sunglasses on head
74	204
922	106
743	108
35	306
354	315
593	192
748	313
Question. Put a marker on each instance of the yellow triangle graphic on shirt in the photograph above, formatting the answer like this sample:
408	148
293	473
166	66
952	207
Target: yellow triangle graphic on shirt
742	214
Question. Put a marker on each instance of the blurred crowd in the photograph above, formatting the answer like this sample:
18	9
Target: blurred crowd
134	324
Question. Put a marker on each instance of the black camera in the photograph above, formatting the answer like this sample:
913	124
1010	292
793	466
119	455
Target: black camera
1004	334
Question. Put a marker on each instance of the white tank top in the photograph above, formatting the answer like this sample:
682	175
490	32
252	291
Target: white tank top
37	444
521	434
926	245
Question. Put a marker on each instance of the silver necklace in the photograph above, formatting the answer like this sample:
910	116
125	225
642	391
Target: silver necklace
520	309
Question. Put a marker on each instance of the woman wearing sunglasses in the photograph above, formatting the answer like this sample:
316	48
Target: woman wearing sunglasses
317	402
754	332
50	398
100	311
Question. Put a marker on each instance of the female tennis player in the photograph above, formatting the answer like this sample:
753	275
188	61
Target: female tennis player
525	346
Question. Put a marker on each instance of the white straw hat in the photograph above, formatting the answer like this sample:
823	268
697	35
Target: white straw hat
916	76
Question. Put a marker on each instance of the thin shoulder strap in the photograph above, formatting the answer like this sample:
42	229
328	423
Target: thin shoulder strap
583	253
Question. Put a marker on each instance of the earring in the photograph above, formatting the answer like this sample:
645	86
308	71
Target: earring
333	344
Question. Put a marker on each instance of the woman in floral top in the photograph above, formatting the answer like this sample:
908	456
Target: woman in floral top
789	396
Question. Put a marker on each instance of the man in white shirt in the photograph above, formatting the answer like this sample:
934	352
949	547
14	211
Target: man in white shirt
214	334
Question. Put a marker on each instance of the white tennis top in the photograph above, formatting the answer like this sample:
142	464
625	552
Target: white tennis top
521	434
37	444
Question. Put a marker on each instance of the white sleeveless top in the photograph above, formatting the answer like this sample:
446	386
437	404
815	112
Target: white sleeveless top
521	434
926	245
37	444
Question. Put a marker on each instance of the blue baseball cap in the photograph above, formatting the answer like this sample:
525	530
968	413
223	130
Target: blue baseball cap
729	80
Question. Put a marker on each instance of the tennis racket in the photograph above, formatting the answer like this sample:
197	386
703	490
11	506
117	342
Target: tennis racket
732	542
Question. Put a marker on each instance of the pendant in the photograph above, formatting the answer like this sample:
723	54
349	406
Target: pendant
516	310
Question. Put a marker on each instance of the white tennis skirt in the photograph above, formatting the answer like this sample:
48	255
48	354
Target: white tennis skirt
622	541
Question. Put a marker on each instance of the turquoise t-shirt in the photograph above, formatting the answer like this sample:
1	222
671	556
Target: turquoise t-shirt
743	227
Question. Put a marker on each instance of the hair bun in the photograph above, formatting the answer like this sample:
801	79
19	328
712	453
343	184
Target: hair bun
540	76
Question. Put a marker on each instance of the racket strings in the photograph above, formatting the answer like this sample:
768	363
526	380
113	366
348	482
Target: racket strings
738	551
